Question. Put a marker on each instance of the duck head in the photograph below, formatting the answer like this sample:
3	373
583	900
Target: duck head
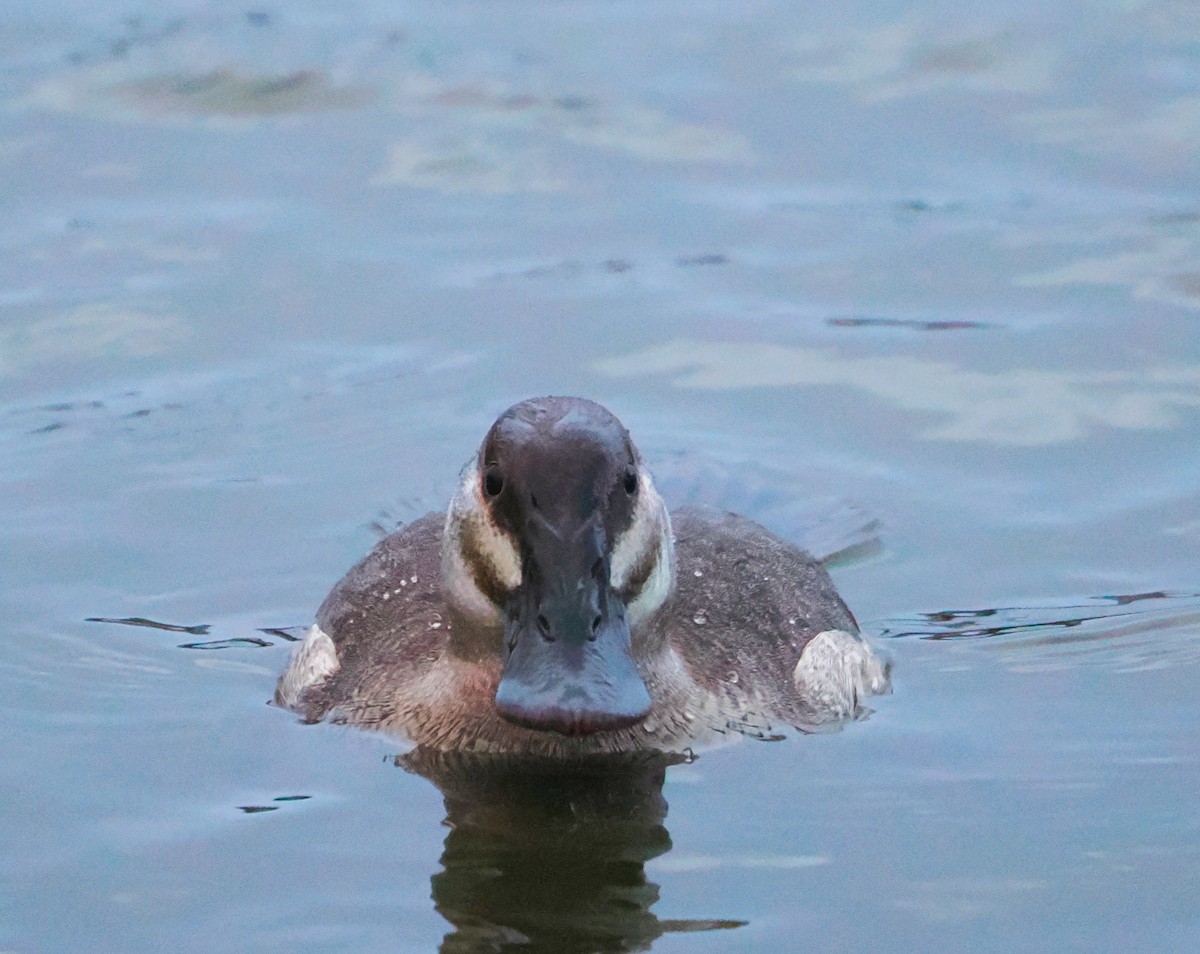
557	534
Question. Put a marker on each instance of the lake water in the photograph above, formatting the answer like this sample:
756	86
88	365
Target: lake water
915	278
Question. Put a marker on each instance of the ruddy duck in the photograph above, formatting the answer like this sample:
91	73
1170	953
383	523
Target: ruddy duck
557	609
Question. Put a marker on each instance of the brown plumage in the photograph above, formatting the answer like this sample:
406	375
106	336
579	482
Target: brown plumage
718	656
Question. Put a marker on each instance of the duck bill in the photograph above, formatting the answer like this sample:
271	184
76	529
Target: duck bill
569	666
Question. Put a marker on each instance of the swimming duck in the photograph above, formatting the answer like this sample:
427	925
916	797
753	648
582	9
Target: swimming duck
557	609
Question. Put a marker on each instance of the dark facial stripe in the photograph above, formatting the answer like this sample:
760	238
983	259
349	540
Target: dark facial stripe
482	571
641	573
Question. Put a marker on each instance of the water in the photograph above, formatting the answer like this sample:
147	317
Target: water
911	282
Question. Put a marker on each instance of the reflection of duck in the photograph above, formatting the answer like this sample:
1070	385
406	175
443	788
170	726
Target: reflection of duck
542	856
557	609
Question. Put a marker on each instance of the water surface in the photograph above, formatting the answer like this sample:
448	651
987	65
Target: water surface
904	278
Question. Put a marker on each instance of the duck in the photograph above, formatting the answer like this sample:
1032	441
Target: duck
558	609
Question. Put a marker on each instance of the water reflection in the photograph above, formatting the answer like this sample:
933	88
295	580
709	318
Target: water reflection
545	858
1021	407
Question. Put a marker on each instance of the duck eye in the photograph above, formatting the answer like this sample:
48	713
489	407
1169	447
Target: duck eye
493	483
631	482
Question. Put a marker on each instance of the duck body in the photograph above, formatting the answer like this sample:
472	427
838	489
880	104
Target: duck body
574	616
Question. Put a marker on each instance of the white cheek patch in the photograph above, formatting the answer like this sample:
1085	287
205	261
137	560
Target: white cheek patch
656	589
643	534
648	537
472	540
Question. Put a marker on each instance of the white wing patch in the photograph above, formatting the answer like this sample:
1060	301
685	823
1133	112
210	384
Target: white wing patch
837	669
314	661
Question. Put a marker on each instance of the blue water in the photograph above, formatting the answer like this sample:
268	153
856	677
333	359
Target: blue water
913	280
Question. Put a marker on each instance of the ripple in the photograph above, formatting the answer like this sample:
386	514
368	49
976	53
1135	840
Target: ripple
258	809
835	530
1162	630
198	630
